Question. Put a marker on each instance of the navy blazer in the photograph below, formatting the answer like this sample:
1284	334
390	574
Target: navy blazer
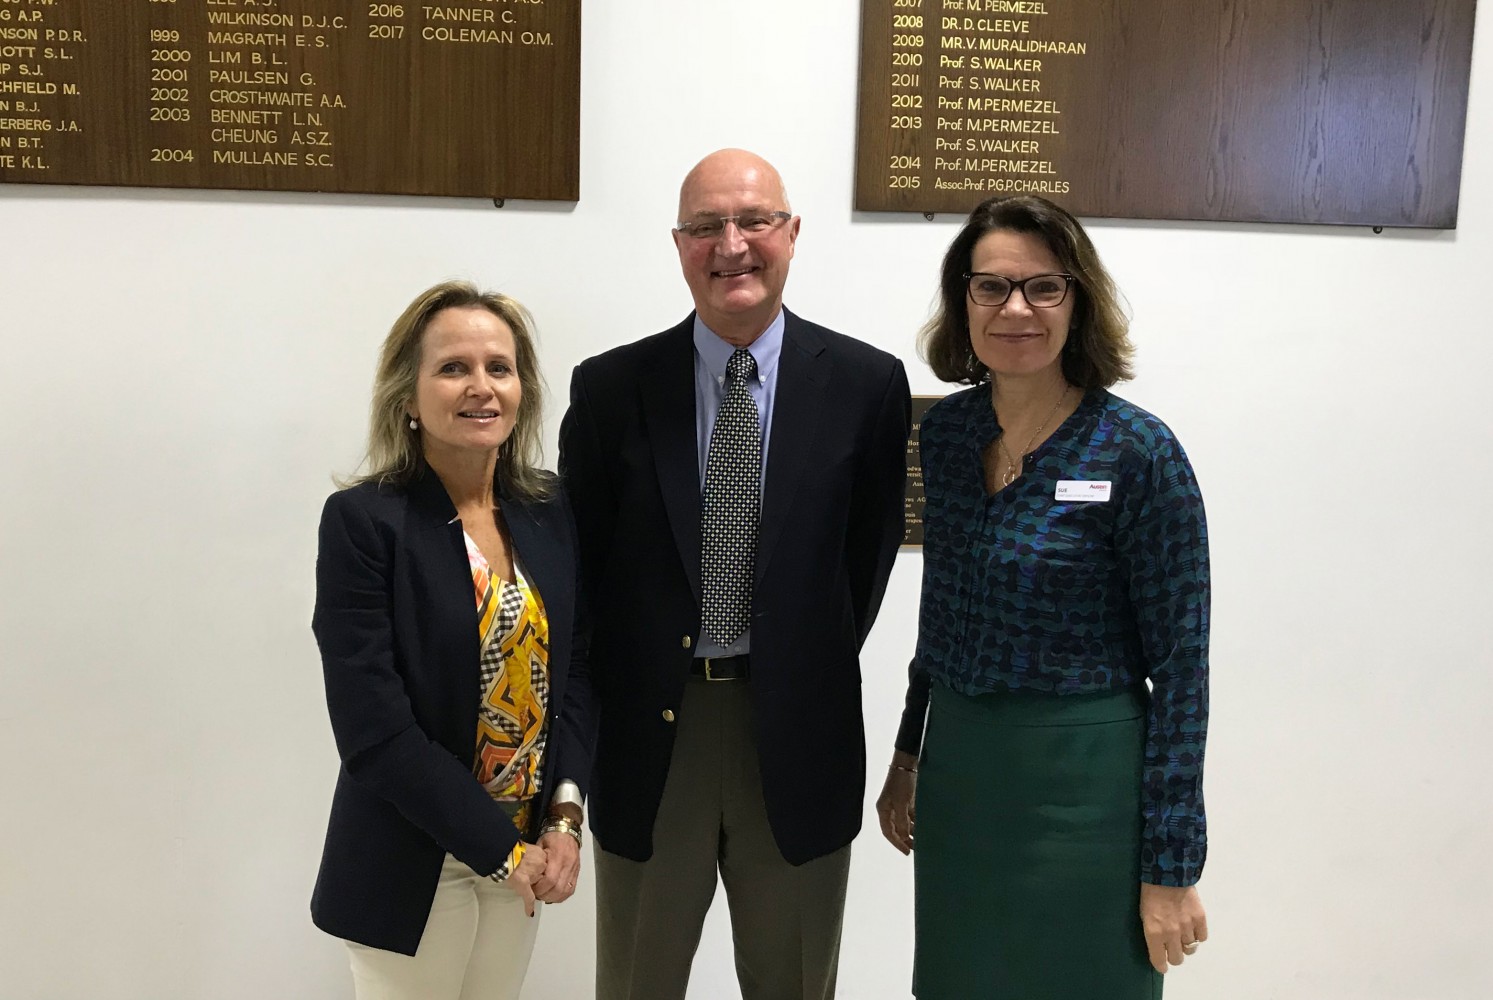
396	620
831	524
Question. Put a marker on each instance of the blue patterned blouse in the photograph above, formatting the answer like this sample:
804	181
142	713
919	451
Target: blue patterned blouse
1025	591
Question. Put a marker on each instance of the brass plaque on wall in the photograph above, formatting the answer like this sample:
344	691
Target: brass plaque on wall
1308	111
472	97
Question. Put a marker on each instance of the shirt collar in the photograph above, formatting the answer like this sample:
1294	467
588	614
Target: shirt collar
715	352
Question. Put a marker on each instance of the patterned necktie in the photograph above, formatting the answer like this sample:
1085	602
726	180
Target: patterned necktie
732	502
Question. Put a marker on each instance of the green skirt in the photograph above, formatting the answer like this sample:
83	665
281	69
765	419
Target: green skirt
1028	848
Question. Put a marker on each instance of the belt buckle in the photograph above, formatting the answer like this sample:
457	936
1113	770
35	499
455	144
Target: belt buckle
709	676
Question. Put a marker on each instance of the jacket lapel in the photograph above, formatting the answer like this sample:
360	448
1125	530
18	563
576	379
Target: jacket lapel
803	374
435	517
534	549
669	413
439	549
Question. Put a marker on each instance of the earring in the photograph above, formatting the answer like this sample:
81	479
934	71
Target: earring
414	424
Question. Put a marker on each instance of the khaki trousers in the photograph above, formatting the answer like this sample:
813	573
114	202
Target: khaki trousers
785	920
476	946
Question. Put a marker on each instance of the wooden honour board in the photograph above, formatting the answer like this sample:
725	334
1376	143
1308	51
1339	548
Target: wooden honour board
1346	112
471	98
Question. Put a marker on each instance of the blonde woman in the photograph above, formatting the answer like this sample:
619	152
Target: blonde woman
446	614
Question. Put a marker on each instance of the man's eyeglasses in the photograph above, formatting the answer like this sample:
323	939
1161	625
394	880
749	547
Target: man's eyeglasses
750	224
1041	291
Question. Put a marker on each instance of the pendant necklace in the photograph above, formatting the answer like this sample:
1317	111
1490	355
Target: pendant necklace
1009	475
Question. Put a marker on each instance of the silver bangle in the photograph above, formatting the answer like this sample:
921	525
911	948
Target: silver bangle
567	792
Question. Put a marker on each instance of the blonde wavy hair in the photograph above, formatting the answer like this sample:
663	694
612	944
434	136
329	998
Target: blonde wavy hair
393	454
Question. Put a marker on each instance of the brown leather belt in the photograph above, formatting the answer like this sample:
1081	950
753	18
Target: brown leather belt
722	668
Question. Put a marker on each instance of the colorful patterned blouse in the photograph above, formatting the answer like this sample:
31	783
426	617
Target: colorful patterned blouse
511	732
1029	589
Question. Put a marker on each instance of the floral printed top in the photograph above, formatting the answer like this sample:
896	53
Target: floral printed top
514	690
1089	573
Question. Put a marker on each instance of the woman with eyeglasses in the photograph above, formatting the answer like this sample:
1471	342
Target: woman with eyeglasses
1049	762
455	665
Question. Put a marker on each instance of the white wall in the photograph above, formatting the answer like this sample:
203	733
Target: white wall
182	371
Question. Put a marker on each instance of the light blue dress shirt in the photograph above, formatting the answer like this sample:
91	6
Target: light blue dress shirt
711	355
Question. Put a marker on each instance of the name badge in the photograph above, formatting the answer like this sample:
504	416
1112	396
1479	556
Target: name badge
1076	489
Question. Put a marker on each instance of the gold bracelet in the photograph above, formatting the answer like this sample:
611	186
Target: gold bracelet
562	824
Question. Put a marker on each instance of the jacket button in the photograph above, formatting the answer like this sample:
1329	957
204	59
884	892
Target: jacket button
686	642
668	715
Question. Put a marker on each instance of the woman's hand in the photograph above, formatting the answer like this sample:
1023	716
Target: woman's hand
562	867
1174	923
895	803
531	868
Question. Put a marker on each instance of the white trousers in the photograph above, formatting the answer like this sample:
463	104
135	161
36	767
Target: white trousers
476	946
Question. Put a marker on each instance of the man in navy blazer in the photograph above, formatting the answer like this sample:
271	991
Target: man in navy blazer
745	759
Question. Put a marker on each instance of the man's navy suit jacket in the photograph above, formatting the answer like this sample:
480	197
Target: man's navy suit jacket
830	526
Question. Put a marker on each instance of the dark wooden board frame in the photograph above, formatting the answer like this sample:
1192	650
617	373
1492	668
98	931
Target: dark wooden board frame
468	98
1294	111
